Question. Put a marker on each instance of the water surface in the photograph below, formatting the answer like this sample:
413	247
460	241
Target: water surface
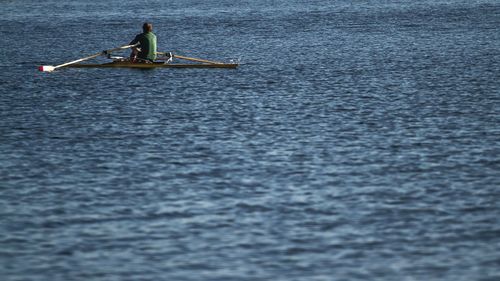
357	141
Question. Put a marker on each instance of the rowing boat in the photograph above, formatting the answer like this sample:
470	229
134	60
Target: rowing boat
128	64
165	60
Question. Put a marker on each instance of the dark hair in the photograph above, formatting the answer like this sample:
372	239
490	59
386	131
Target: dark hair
147	27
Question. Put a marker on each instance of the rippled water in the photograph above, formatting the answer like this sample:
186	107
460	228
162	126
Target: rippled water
358	140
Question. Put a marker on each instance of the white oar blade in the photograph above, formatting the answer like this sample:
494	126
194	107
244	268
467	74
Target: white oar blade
46	68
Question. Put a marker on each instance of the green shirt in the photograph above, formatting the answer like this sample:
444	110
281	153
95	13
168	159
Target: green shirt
147	43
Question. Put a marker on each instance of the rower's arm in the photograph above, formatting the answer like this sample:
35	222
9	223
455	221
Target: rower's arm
135	41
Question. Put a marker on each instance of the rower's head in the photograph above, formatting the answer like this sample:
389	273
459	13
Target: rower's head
147	27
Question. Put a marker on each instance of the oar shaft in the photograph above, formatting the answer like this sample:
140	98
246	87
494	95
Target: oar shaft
78	60
191	59
195	59
96	55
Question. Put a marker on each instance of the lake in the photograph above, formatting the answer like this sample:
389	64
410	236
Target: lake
357	140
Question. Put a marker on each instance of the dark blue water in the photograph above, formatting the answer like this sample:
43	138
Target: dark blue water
358	140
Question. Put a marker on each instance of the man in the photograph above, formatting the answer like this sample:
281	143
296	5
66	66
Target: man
146	51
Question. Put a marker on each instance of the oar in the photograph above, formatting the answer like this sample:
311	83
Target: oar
50	68
191	59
